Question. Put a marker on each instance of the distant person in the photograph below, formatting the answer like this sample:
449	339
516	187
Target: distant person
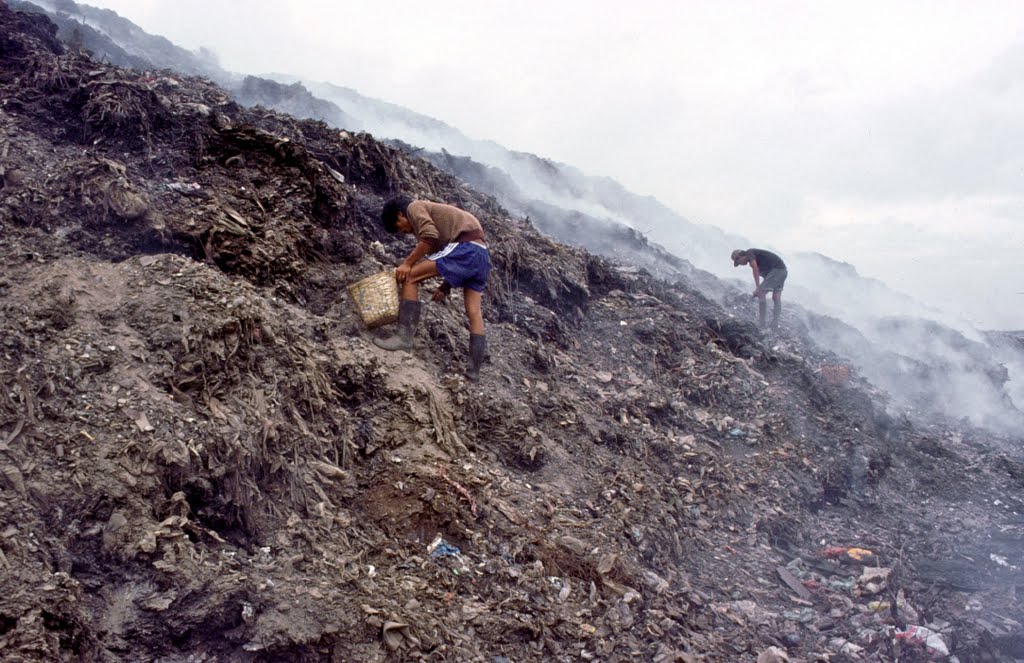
450	244
770	267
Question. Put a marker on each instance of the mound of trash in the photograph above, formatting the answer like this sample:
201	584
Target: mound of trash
204	458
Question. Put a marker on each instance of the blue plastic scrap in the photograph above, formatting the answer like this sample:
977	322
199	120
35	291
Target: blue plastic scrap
445	549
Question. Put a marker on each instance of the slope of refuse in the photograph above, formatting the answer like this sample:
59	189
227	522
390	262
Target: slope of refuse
940	377
204	458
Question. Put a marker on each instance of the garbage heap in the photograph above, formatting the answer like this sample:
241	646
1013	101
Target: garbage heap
204	458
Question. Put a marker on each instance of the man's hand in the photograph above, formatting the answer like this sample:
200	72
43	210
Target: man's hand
402	272
757	293
442	292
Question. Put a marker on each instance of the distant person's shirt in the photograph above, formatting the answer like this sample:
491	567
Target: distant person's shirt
440	225
766	260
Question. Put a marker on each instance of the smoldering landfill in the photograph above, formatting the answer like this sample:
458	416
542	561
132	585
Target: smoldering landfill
204	457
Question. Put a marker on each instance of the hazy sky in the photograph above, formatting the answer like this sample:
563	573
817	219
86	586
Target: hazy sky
886	134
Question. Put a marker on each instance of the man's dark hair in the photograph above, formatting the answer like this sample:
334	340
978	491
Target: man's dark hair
389	214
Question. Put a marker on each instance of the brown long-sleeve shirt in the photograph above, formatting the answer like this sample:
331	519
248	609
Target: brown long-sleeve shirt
439	224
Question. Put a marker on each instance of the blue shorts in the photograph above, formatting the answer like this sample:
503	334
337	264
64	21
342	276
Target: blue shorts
463	265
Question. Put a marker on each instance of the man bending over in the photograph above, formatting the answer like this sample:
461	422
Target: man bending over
769	266
450	244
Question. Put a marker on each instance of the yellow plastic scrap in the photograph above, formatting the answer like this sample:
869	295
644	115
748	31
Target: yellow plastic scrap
862	555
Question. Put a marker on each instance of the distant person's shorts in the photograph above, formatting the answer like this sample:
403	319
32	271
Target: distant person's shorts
774	281
463	265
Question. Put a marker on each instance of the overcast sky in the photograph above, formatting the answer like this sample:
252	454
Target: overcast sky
885	134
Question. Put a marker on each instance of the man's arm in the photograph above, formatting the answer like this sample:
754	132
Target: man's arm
423	226
757	275
402	271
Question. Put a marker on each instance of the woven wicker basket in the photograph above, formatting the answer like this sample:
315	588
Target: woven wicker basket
376	298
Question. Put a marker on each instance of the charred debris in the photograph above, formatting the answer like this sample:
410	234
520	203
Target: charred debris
202	457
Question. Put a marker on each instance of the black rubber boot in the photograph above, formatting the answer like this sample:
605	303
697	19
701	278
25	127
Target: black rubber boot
762	311
776	313
477	350
408	320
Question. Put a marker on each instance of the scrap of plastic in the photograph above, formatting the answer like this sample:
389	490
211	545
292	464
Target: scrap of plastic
183	186
862	555
850	555
441	548
919	635
802	615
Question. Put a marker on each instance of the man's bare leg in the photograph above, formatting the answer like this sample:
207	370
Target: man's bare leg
472	300
421	271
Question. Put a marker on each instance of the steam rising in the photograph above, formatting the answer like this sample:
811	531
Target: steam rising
930	361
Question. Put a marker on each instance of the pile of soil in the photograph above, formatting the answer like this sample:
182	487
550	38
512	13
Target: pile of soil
204	458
